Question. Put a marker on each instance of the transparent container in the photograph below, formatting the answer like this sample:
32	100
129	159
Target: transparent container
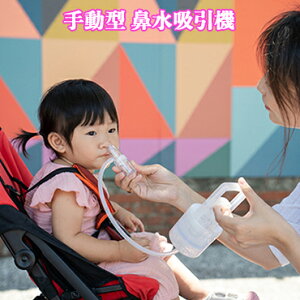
197	228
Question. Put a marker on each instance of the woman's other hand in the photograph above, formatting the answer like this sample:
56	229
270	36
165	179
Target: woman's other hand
262	225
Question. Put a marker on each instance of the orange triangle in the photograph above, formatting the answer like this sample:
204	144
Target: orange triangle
14	22
12	116
139	116
211	118
108	76
246	70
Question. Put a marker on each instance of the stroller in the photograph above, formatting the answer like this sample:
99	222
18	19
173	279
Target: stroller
57	270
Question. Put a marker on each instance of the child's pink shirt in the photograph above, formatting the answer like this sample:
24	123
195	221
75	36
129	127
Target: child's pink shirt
41	213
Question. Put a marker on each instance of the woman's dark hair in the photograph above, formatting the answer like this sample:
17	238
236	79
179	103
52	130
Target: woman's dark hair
279	53
68	104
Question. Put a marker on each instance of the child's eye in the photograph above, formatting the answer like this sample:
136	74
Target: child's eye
91	133
112	130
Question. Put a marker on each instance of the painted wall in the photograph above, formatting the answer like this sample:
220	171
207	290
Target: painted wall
186	99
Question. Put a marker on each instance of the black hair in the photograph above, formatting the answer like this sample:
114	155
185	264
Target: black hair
68	104
279	53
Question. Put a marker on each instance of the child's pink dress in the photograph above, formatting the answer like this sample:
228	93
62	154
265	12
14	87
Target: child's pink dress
35	205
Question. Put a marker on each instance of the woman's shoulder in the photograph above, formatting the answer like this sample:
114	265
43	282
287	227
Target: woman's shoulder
289	207
293	197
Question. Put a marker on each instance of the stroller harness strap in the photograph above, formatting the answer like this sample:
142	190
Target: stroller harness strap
102	220
90	181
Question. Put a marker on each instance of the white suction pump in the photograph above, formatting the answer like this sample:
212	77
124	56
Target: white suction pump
122	162
198	228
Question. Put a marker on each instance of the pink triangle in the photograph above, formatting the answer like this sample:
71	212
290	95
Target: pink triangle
190	152
108	75
14	22
140	150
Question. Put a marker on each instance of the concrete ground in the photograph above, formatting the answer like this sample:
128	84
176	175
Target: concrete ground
218	268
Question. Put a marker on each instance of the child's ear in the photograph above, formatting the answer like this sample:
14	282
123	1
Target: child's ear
57	142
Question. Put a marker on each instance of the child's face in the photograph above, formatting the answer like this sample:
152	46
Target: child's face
89	143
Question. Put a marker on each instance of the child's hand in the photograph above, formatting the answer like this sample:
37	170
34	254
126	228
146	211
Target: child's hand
129	220
129	253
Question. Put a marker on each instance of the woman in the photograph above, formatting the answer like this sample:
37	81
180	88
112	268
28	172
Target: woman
272	233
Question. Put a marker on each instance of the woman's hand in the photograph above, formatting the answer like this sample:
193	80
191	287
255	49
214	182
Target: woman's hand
129	220
131	254
152	182
262	225
156	183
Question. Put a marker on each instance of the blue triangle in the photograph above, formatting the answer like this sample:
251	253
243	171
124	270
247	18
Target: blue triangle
265	162
42	12
33	9
251	126
166	157
168	5
20	68
34	160
175	5
155	64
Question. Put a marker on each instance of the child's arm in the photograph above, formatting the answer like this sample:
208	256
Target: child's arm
127	219
67	217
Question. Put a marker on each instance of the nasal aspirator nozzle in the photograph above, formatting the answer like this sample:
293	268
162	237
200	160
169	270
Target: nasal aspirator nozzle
121	160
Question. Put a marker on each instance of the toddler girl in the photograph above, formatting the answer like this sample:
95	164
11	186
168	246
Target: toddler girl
78	121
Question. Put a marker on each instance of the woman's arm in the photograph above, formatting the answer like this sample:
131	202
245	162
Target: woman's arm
260	255
156	183
67	217
289	244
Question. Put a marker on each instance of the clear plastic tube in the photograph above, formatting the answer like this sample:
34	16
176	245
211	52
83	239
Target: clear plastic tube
115	223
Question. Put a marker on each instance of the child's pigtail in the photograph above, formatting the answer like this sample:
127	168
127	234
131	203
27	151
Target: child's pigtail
22	139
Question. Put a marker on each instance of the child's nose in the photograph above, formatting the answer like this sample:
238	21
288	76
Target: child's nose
105	144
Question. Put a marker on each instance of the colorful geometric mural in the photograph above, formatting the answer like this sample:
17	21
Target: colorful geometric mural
186	99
